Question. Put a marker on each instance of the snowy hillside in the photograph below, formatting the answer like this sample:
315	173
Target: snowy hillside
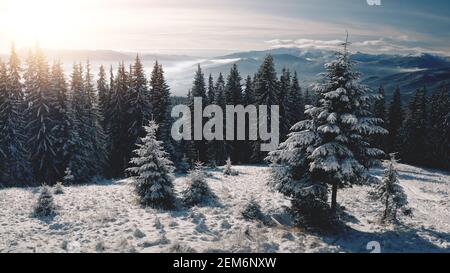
106	217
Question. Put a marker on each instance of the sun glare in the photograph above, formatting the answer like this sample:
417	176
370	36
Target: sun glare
47	22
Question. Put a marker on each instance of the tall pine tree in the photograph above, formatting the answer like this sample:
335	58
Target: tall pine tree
219	150
161	108
79	148
283	101
266	93
211	90
97	135
62	129
42	137
15	168
233	96
199	91
414	130
138	105
394	121
117	125
439	129
379	111
295	106
331	148
103	95
248	98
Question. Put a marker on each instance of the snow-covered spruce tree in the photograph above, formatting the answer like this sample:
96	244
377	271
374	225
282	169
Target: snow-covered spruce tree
331	147
295	103
284	91
186	147
391	194
62	128
198	191
15	167
217	147
106	110
211	90
210	143
103	95
308	97
291	176
138	105
394	121
233	96
414	131
96	135
152	171
41	119
266	92
103	138
45	206
199	91
247	99
379	111
439	129
346	125
79	148
117	124
161	107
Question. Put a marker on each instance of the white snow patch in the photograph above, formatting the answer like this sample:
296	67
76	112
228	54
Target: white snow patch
106	218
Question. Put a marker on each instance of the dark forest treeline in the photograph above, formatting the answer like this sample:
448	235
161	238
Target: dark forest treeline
53	128
419	129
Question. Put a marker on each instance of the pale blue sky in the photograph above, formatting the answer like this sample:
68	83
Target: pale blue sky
208	27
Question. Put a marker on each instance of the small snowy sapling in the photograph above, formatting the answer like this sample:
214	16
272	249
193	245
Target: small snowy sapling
68	177
59	188
45	206
390	193
252	211
184	165
229	170
198	191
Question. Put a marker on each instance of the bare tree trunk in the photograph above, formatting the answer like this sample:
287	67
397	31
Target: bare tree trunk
334	198
386	209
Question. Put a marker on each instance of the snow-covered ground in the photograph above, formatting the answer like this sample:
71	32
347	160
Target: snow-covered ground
106	217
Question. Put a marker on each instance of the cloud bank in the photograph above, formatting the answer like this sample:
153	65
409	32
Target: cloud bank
401	45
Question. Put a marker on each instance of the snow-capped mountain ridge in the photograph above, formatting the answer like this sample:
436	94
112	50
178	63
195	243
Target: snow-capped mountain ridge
409	72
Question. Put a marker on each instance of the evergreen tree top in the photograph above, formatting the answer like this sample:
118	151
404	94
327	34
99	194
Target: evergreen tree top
101	81
14	82
199	85
233	88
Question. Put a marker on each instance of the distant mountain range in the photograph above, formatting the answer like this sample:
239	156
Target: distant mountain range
409	72
67	55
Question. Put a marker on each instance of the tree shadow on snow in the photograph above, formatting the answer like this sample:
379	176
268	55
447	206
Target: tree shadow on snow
406	175
347	217
426	176
397	240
